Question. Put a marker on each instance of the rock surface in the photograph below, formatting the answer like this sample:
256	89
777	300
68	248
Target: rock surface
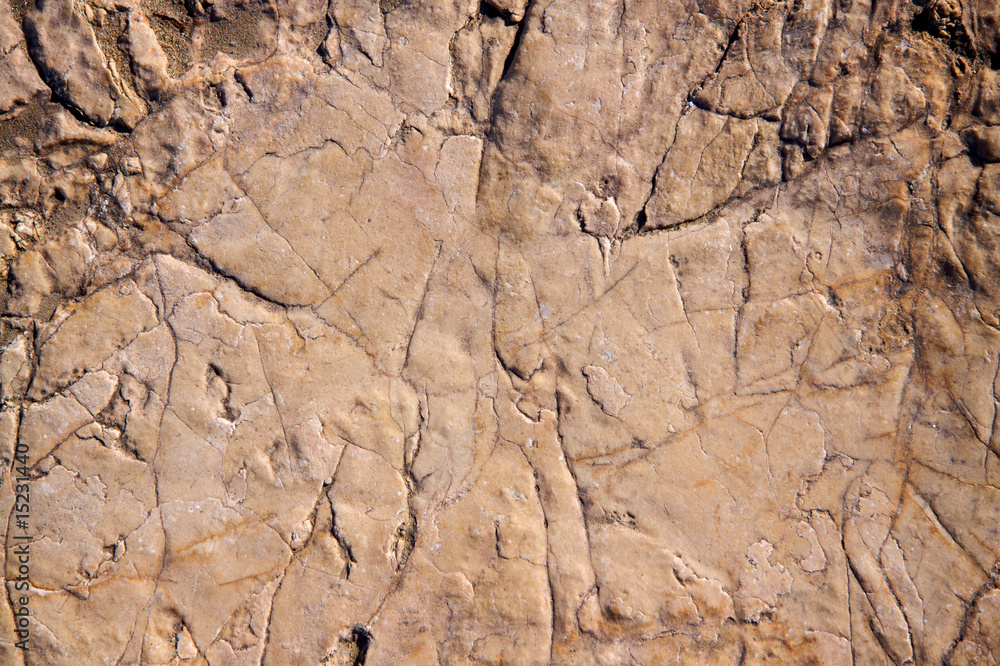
513	332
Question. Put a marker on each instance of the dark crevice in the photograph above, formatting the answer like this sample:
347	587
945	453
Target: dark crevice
510	365
516	46
490	11
947	29
346	551
203	261
641	221
406	539
241	80
363	639
729	46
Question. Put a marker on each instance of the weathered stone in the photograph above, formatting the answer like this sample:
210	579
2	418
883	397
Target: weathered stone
19	81
65	49
506	332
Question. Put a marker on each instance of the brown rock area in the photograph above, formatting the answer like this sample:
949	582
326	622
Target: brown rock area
515	332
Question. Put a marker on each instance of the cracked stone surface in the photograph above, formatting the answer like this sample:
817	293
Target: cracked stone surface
514	332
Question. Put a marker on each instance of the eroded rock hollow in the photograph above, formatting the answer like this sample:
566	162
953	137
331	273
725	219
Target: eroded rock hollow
513	332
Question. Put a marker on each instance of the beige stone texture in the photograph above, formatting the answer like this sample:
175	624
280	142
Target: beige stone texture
515	332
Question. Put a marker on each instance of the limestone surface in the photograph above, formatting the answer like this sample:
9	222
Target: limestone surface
503	332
